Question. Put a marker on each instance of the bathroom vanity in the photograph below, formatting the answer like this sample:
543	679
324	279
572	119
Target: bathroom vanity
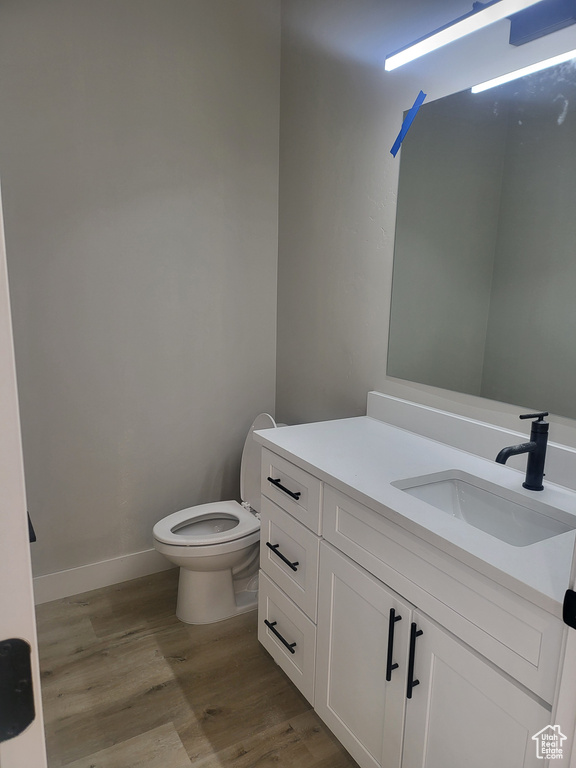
419	638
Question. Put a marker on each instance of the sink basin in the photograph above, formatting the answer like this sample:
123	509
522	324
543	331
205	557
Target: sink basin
508	516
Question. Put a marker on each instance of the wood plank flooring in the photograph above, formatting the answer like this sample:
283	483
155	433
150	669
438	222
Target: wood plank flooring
127	685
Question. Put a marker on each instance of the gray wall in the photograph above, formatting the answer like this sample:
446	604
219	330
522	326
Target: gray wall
340	115
139	164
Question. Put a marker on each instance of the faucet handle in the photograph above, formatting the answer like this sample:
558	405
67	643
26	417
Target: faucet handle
539	416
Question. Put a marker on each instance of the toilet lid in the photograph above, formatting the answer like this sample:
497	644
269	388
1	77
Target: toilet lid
250	467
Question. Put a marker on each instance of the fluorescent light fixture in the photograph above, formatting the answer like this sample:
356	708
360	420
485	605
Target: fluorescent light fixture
524	71
471	22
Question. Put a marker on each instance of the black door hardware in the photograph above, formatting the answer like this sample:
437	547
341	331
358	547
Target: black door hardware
31	531
389	665
272	627
16	692
414	633
274	548
294	494
569	608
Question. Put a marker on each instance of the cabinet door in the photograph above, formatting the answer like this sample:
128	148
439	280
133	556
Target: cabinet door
463	712
353	696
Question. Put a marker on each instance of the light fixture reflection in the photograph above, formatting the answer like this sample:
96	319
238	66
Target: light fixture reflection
540	65
463	26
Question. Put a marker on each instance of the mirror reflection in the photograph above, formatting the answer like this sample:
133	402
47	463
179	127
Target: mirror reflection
484	284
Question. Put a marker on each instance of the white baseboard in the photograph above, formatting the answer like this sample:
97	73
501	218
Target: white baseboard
54	586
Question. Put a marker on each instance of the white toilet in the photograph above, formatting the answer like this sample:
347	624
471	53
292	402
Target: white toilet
217	546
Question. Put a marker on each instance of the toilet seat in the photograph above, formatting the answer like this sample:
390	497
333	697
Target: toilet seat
169	529
166	530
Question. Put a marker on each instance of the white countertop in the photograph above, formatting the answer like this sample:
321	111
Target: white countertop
362	457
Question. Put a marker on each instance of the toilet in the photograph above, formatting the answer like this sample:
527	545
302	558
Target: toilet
217	546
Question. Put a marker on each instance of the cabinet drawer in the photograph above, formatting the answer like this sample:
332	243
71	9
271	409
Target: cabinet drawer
288	635
289	555
294	490
519	637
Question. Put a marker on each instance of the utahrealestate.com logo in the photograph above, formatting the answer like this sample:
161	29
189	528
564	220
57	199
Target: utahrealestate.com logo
549	743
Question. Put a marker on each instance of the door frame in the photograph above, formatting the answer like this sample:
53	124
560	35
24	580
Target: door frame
17	617
564	712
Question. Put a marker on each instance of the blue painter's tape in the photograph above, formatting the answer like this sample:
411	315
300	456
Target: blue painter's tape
408	120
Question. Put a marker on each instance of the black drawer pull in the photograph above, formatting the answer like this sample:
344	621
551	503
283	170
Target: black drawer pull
274	548
414	633
295	495
271	627
389	665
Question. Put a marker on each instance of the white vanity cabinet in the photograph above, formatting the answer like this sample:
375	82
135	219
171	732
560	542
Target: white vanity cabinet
401	692
412	657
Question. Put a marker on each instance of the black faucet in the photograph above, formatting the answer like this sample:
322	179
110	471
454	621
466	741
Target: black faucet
536	450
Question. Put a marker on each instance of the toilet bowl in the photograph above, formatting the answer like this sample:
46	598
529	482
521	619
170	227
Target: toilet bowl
216	546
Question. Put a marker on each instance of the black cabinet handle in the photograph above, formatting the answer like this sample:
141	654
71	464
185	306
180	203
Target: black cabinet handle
272	628
389	665
274	548
294	494
414	633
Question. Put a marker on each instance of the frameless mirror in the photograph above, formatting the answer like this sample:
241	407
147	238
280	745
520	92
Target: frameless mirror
484	283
